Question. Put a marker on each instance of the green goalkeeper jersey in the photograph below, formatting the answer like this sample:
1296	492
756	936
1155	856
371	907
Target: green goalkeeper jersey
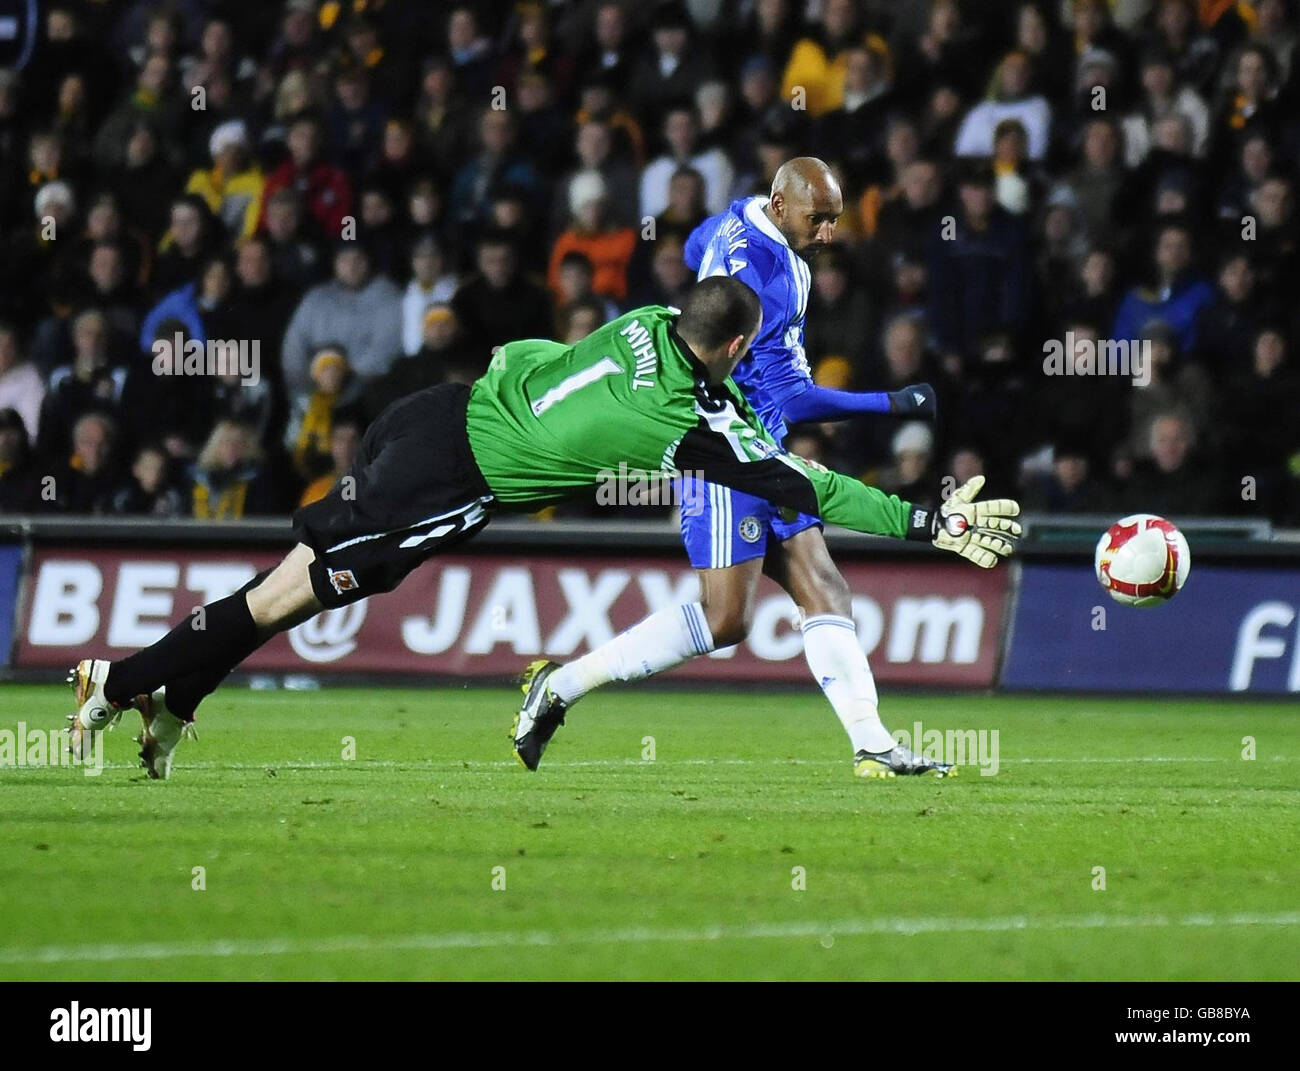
630	399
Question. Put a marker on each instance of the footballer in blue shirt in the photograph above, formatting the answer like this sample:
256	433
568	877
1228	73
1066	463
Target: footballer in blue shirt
732	538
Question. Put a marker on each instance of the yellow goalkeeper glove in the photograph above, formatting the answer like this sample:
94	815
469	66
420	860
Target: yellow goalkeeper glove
981	532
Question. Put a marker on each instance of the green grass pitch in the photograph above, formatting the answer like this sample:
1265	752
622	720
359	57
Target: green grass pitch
316	866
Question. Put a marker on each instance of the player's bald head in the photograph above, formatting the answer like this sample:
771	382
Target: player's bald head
805	203
804	178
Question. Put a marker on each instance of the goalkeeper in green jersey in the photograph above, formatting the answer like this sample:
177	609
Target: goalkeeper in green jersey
649	391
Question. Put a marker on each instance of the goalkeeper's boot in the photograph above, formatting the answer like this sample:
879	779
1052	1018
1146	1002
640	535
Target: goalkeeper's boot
161	732
898	761
94	712
541	714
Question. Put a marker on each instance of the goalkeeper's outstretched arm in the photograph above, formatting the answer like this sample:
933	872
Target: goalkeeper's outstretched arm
980	531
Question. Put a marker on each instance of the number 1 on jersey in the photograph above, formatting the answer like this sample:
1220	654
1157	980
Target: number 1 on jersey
606	366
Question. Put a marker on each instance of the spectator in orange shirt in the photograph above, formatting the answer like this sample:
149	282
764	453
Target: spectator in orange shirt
608	248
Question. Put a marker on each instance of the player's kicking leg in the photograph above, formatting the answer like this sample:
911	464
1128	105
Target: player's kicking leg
727	540
663	640
725	535
802	565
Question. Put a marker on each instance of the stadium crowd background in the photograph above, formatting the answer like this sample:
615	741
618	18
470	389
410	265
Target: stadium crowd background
379	191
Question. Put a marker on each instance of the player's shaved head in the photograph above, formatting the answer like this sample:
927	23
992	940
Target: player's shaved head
802	177
720	318
805	203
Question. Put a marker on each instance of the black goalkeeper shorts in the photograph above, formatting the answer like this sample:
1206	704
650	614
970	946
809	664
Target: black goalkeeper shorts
413	490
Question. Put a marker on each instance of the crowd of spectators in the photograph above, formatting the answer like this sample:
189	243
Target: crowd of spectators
366	196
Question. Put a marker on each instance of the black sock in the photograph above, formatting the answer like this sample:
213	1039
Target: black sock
184	694
227	638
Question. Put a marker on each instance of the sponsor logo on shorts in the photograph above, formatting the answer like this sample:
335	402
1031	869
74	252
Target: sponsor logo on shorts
750	529
342	580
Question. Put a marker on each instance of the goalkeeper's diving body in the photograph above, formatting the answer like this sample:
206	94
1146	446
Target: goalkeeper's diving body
737	534
650	390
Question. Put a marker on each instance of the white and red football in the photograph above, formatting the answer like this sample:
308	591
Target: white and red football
1142	560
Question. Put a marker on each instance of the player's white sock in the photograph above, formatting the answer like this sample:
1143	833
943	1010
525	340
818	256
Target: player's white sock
663	640
830	644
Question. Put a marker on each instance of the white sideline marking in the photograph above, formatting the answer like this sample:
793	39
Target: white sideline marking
225	949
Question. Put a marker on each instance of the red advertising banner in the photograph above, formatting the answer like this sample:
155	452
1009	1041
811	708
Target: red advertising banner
487	615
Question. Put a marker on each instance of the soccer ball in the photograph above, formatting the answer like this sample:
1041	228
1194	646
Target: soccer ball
1142	560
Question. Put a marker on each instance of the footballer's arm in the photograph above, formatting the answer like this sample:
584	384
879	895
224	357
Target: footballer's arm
979	531
787	376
